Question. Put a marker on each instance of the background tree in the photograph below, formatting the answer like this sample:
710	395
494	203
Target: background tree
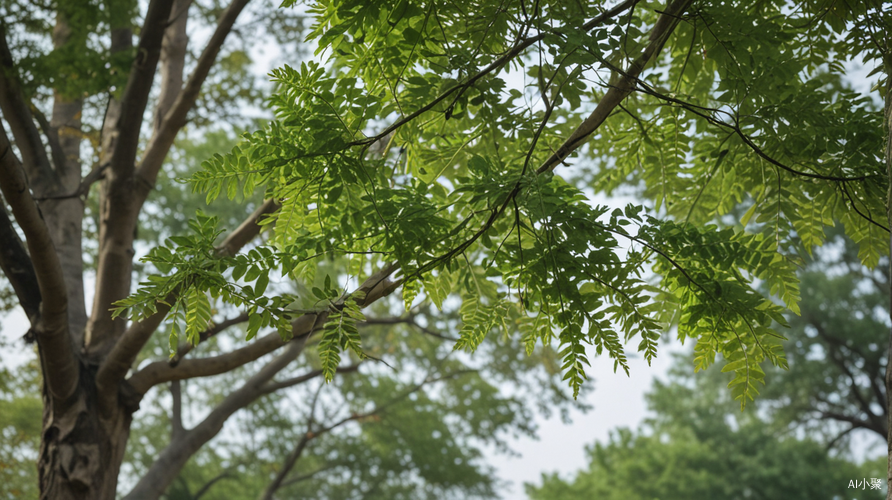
836	349
699	445
405	151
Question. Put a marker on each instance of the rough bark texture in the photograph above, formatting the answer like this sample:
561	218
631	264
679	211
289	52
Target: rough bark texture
81	449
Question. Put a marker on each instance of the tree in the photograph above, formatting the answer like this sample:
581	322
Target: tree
406	151
836	349
699	445
416	434
794	445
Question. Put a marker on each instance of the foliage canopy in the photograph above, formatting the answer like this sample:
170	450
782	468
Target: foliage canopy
433	138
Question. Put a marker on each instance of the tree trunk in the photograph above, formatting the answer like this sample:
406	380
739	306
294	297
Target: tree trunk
81	449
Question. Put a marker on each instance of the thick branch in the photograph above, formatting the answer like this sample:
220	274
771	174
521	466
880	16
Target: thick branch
57	355
376	286
136	336
175	118
173	60
139	84
161	371
171	461
17	267
120	359
18	114
121	195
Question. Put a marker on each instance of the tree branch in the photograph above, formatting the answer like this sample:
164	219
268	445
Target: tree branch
176	411
161	371
57	355
52	138
856	422
515	51
18	115
139	83
172	459
311	434
664	26
376	286
247	230
407	321
132	340
174	119
204	489
274	386
120	359
17	266
83	188
173	60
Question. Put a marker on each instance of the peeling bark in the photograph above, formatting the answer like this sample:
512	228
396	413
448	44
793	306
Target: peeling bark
81	452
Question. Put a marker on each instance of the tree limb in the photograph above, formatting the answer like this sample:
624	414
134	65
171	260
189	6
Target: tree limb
407	321
176	411
172	459
311	434
57	355
273	386
120	359
856	422
17	266
161	371
18	115
376	286
83	188
132	340
174	119
204	489
664	26
139	84
173	60
247	230
52	138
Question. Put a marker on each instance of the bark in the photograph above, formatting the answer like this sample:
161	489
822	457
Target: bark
51	323
81	449
175	118
122	194
173	60
64	216
18	114
17	266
